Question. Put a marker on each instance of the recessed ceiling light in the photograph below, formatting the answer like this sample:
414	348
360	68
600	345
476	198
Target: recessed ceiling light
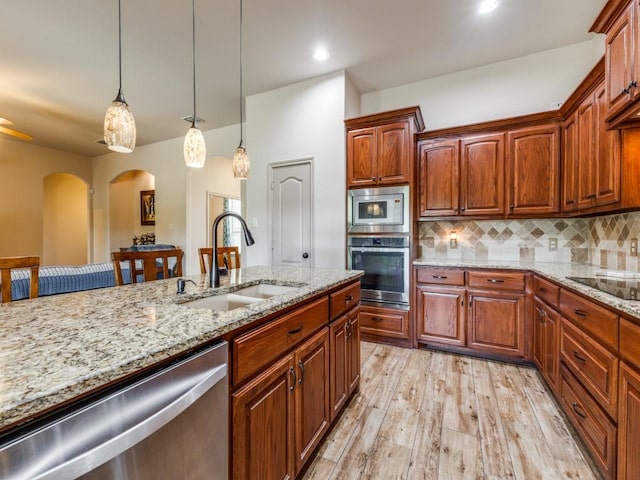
487	6
321	54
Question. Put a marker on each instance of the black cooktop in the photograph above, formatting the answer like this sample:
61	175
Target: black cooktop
626	289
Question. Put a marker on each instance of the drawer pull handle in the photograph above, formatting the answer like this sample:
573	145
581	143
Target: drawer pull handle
293	375
440	277
543	290
541	314
349	330
580	313
348	298
575	406
580	358
493	280
377	319
301	367
296	330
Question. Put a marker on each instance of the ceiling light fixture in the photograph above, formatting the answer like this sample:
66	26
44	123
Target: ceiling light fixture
241	164
119	124
321	54
195	150
487	6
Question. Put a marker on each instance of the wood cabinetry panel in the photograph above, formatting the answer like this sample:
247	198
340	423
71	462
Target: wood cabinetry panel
592	364
384	322
394	153
344	299
628	431
533	157
441	315
546	347
547	291
497	280
608	148
570	161
261	346
438	186
440	276
586	132
361	156
482	175
630	341
595	428
598	321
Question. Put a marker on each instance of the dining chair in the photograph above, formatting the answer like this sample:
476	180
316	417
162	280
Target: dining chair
151	264
227	256
9	263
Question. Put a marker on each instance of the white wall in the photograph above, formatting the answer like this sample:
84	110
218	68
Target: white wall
519	86
165	161
304	120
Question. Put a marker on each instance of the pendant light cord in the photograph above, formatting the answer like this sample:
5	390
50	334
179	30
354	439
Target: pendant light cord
193	124
120	45
241	116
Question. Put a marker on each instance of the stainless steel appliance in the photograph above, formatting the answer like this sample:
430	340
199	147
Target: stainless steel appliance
385	261
378	210
173	425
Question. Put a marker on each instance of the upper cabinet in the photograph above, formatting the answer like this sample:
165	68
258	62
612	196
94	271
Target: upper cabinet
380	147
534	170
619	21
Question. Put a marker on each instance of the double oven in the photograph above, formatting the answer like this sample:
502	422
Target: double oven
378	243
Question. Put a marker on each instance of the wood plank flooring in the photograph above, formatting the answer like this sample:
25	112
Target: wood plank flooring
422	414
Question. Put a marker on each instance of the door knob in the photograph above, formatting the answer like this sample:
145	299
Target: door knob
305	255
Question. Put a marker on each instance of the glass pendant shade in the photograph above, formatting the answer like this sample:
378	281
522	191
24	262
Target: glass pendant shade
195	150
241	165
120	126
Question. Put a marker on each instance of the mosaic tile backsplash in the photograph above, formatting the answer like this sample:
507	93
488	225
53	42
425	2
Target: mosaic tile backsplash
602	241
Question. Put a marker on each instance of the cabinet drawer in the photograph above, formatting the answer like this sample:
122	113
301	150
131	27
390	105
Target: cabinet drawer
440	276
593	425
592	364
630	342
497	280
598	321
384	322
260	347
344	299
546	291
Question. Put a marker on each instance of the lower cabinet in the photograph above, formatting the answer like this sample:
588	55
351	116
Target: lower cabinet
440	315
281	415
629	424
546	355
496	323
387	325
344	335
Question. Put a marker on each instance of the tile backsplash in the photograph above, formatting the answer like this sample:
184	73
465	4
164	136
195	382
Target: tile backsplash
603	241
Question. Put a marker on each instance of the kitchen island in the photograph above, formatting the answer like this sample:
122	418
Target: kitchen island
54	350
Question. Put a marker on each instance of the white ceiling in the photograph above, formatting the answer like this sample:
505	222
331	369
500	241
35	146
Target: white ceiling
59	58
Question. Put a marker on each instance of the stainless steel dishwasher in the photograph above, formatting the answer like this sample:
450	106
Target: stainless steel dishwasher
171	425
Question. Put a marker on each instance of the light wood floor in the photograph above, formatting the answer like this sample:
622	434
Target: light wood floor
428	415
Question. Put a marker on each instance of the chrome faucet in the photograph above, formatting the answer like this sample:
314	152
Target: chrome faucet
214	274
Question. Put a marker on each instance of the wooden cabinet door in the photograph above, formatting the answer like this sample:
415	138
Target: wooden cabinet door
586	152
312	412
546	350
361	157
353	350
339	388
533	157
620	61
263	418
496	323
441	315
628	424
607	166
438	186
394	153
570	161
482	175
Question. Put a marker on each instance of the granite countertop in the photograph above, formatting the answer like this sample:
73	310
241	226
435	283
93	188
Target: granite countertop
55	348
558	272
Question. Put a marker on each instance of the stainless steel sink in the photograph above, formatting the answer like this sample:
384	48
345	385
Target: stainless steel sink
240	298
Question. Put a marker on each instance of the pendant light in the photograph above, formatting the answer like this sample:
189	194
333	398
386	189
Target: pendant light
119	125
195	150
241	164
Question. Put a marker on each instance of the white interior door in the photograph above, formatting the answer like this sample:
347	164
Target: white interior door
291	239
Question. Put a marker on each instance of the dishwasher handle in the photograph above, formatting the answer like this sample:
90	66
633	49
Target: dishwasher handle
94	442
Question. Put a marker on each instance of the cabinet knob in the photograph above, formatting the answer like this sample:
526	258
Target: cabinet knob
462	209
512	207
633	84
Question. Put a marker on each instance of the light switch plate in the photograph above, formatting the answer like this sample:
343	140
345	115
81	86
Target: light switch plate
553	244
633	247
453	243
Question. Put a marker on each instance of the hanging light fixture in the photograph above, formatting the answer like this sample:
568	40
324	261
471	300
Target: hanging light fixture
119	125
241	164
195	150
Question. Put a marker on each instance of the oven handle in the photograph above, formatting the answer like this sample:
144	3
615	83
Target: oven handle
95	442
377	249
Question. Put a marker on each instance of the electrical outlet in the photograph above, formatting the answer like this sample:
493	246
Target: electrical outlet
453	243
633	247
430	242
553	244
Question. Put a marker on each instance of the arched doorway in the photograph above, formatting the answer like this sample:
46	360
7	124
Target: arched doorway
65	220
125	219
